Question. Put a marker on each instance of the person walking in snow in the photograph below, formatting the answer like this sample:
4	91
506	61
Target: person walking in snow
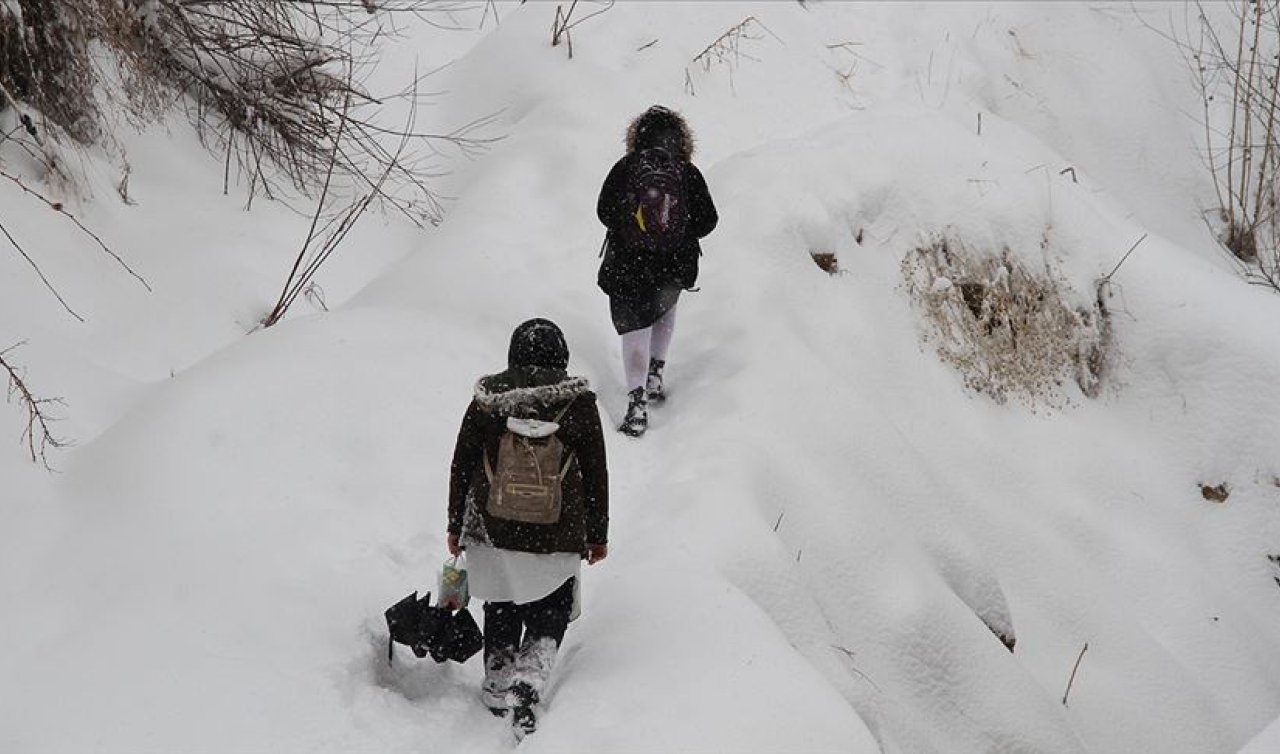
656	206
528	501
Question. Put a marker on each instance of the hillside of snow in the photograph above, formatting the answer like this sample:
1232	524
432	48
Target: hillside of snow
814	547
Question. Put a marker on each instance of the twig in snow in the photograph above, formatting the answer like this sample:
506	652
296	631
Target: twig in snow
779	521
38	435
1074	668
39	272
562	25
849	654
726	49
122	188
1107	278
315	294
489	5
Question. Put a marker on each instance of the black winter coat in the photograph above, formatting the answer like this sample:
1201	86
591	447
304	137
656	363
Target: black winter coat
635	272
542	394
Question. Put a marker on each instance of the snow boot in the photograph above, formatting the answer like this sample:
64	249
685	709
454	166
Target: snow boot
637	419
653	384
523	719
498	666
494	699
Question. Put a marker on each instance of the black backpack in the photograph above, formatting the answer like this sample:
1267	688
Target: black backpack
657	203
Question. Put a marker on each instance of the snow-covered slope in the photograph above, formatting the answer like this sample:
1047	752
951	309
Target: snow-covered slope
810	548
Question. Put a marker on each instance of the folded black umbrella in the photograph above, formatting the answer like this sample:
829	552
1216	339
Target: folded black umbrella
436	631
461	637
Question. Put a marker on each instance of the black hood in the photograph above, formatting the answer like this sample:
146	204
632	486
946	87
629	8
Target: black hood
535	377
538	343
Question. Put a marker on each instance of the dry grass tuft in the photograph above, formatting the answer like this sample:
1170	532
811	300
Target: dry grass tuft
1010	332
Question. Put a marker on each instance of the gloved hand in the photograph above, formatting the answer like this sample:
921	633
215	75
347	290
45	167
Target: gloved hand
455	549
596	553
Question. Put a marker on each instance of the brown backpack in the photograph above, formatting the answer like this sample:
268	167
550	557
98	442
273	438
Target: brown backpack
524	485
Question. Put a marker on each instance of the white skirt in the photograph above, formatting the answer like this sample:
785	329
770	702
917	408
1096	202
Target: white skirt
496	575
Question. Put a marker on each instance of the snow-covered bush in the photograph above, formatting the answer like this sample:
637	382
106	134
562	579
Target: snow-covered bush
1010	331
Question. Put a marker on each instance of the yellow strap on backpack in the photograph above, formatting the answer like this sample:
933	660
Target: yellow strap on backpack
640	218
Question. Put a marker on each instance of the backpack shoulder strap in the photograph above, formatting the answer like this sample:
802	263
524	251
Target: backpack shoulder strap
488	465
568	457
565	410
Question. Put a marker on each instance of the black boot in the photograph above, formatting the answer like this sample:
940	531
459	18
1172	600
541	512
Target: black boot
653	385
637	419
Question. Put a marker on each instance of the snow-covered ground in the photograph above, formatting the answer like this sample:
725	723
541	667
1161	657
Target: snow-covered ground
808	547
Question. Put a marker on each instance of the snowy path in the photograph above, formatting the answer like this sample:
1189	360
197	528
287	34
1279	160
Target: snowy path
668	656
822	529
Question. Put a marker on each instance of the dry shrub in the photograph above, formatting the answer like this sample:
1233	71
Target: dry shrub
1009	331
267	83
1233	49
44	63
276	87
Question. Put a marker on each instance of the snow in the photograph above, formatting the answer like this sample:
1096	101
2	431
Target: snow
1267	740
817	543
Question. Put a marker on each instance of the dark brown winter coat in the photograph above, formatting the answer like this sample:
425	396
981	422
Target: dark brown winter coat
632	272
531	392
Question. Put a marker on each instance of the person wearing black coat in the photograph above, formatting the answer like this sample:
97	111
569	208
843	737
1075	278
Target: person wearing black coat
644	283
527	572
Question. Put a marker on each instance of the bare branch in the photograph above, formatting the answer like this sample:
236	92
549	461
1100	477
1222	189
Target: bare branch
726	49
1074	668
1236	64
39	272
60	209
1107	278
335	231
38	435
562	25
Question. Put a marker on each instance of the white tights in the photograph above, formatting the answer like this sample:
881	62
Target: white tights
638	346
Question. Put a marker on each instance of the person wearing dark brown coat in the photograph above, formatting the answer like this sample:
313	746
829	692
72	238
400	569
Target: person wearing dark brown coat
644	271
527	572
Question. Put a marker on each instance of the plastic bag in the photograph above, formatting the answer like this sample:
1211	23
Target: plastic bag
453	593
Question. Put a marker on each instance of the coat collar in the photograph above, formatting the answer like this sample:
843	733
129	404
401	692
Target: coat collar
517	391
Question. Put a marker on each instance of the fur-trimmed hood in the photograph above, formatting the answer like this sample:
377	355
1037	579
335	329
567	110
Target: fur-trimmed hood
661	127
527	391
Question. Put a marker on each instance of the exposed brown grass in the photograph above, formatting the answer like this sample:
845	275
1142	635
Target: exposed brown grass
1009	331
